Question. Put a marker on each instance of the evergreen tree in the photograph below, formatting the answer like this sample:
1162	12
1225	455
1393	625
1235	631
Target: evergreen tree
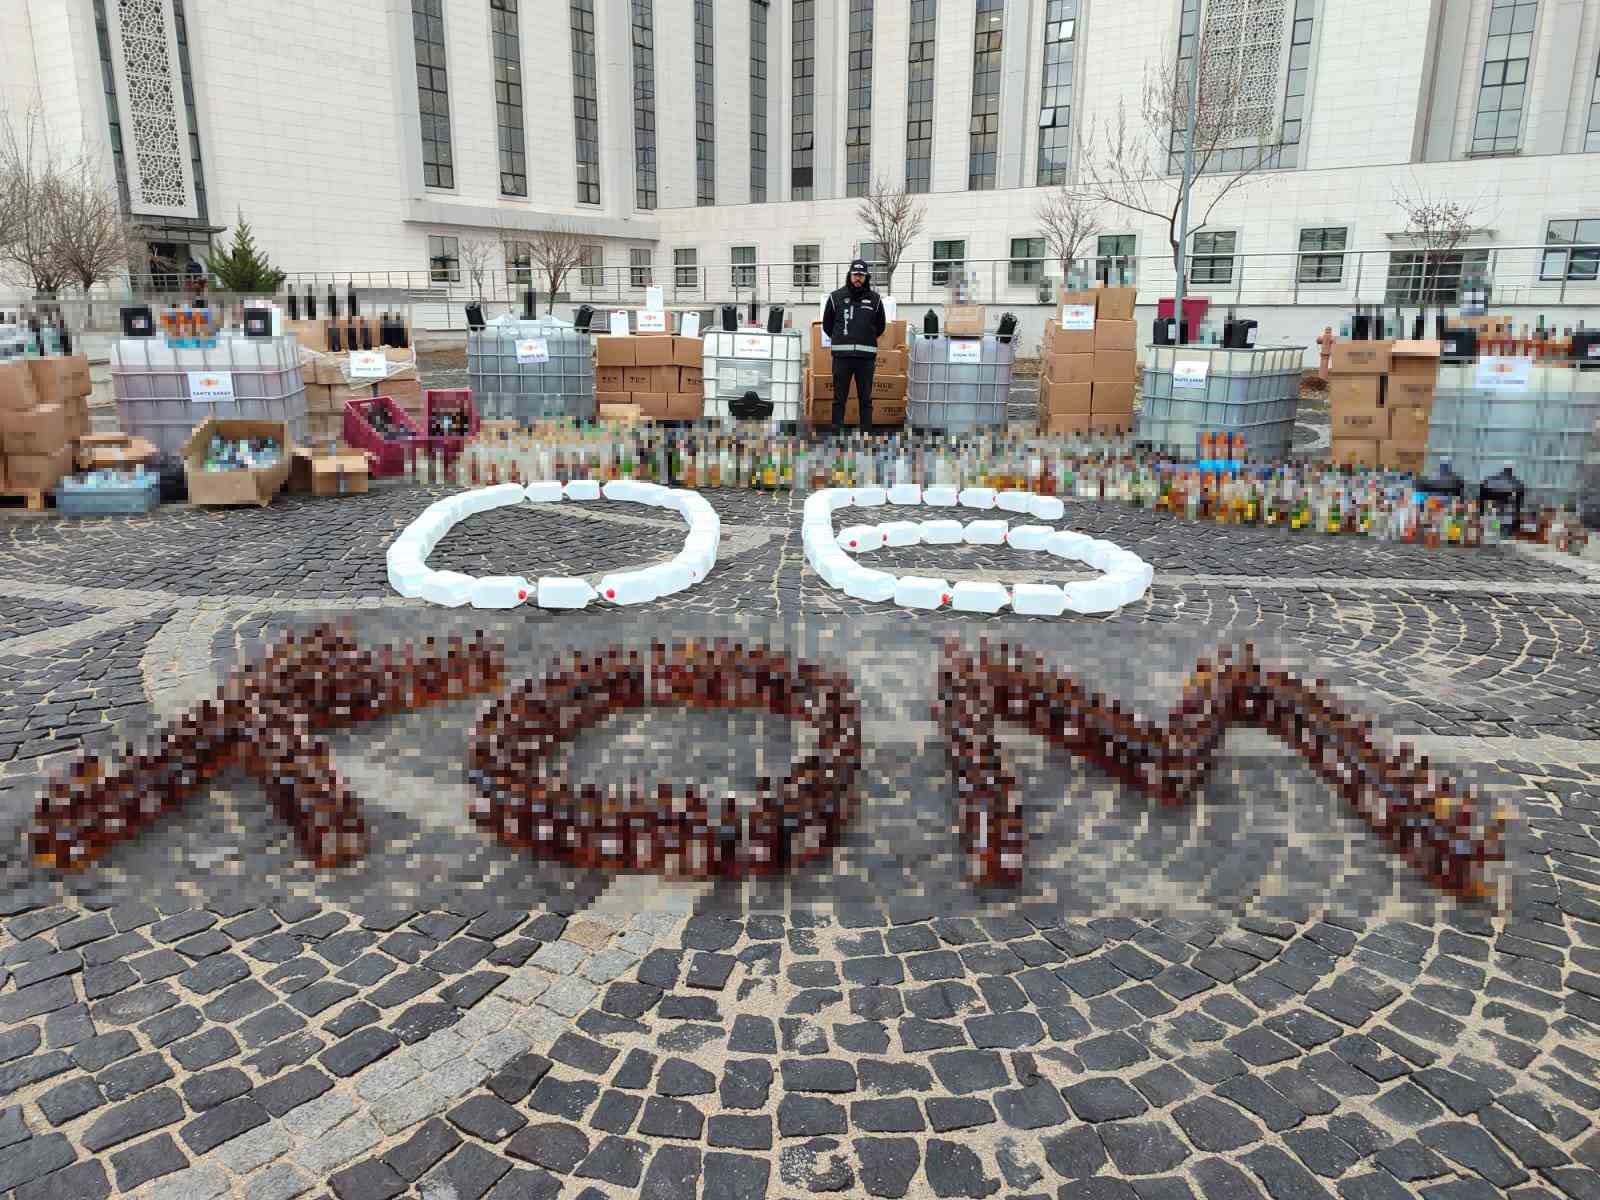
241	267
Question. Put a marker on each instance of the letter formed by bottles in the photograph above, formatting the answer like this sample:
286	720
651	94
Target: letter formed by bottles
1446	833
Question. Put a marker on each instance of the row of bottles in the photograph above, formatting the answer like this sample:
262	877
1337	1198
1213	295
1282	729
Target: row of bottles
33	335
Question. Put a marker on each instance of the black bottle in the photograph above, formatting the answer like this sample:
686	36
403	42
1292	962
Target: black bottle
1360	326
930	323
333	304
294	305
334	346
311	304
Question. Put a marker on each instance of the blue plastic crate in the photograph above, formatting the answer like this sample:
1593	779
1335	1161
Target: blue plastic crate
108	501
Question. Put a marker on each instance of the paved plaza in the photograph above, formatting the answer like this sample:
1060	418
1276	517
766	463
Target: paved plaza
1247	996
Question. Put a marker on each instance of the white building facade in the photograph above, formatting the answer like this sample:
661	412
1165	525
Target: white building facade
718	147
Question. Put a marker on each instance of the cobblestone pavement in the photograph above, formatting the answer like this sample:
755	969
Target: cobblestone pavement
1245	997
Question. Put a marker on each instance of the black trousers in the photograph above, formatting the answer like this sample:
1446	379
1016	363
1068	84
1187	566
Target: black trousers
845	368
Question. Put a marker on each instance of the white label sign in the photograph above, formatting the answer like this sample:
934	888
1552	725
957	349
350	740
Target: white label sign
619	324
1078	317
968	352
1594	350
652	320
691	325
752	345
1497	374
655	298
533	350
211	387
368	364
1189	374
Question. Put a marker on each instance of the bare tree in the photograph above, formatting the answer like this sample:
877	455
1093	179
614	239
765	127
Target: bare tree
1137	164
555	252
478	256
90	230
1440	224
893	217
1069	219
30	182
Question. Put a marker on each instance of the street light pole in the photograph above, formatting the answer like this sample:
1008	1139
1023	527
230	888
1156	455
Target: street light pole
1188	172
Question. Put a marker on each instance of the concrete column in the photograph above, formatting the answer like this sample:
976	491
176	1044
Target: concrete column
613	63
1015	56
1454	18
1555	67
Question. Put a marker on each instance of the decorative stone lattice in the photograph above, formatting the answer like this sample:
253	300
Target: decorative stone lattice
158	128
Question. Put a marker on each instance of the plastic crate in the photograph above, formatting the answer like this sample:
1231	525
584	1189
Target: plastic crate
958	397
151	381
1545	434
456	401
768	364
561	386
102	501
387	457
1253	392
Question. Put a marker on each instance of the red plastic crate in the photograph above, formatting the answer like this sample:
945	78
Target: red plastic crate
449	400
388	458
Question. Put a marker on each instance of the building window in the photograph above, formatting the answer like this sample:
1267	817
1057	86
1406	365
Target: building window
644	105
508	97
1027	261
1322	255
1418	277
1296	87
705	107
591	266
858	102
758	101
744	266
1572	250
1591	137
983	140
949	258
444	259
803	85
686	268
807	266
585	103
519	263
640	262
1505	76
1055	101
1211	260
433	93
1115	257
1241	44
919	96
871	253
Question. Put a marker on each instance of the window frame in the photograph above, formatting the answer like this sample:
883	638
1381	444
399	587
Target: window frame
1031	265
807	270
584	54
1105	260
1414	295
736	268
428	116
1486	63
1213	256
1320	255
939	268
641	274
519	263
679	267
438	255
1572	251
592	274
511	137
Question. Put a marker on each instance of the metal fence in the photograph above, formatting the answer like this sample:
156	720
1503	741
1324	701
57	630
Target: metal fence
1504	275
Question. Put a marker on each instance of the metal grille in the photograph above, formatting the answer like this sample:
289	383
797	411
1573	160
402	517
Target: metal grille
433	93
858	132
508	97
585	102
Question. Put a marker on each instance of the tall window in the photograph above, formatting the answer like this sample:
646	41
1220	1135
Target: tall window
705	107
644	105
433	93
1505	76
919	96
591	266
807	266
1572	250
1027	261
1591	136
1416	277
803	81
585	103
1294	91
508	97
519	263
744	266
640	265
444	259
1241	44
1114	257
1212	259
1055	101
871	253
984	132
858	103
1322	255
949	258
686	268
758	101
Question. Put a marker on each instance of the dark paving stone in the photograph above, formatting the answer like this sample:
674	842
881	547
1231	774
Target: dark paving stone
946	1113
583	1054
415	1156
222	1124
14	1043
679	1077
147	1160
739	1132
351	1018
614	1160
564	1098
168	1027
371	1179
517	1078
816	1075
34	1159
424	1020
1320	1150
966	1071
468	1174
1037	1106
673	1174
1473	1149
239	1001
616	1112
1142	1147
1266	1103
555	1146
917	1036
810	1116
141	1115
37	1000
288	1092
132	1076
211	1088
487	1118
734	1176
745	1084
36	1068
1103	1099
955	1170
887	1116
1283	1177
664	1117
888	1165
1214	1126
69	1100
361	1049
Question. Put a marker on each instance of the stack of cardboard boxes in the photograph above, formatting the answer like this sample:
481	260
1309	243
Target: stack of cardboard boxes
889	380
1381	399
329	382
654	375
44	409
1089	365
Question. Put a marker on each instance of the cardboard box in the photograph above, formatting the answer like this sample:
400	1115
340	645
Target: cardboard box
43	430
652	350
1413	390
1070	368
1088	296
313	335
1064	397
1114	335
1408	427
407	393
821	412
317	474
655	405
691	379
821	356
1116	303
1057	341
1414	358
1114	366
113	451
664	379
1355	452
636	379
610	379
614	351
1113	399
77	416
1360	358
1393	457
964	320
1065	424
888	387
1355	391
1360	422
625	413
687	406
57	379
322	428
613	398
894	335
889	412
234	487
17	392
688	351
892	361
41	472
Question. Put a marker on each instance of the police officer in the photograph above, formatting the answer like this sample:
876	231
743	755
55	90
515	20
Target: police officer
854	320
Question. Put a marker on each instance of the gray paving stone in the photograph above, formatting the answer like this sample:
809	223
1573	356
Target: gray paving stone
339	1145
202	1182
280	1181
